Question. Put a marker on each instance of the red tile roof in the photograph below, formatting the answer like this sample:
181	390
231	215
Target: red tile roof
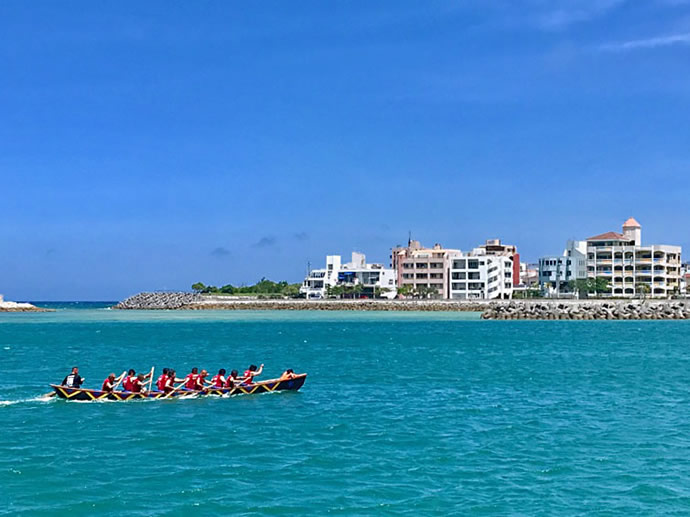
608	236
631	223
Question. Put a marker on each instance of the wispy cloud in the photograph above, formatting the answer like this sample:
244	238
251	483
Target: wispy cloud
301	236
648	43
265	242
563	13
220	252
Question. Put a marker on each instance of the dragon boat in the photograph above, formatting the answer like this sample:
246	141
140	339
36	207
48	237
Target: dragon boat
268	386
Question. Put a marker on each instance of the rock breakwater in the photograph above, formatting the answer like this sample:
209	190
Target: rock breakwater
592	310
158	301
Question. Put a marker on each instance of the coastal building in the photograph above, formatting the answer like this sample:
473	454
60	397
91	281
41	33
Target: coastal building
420	267
556	271
479	276
373	278
452	274
529	274
629	267
494	247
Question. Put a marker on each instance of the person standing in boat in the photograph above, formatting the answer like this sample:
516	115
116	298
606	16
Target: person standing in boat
73	380
110	382
252	372
218	380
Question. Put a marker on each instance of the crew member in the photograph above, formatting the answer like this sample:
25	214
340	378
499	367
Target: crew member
128	381
171	380
201	380
109	383
252	372
232	379
287	375
73	380
191	378
162	380
218	381
138	383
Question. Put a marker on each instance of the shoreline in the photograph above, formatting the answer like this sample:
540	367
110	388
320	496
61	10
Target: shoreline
593	309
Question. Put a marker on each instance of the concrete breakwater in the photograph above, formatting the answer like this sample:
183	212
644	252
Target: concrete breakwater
159	301
590	310
190	301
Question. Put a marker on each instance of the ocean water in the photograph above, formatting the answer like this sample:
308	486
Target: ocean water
402	414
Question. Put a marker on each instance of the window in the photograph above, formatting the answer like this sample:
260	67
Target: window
472	264
459	264
422	275
459	286
407	265
459	276
473	276
436	265
421	265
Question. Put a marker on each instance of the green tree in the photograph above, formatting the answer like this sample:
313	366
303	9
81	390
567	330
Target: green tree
198	287
405	290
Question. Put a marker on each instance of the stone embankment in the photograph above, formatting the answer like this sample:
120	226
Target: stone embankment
341	305
189	301
159	301
591	310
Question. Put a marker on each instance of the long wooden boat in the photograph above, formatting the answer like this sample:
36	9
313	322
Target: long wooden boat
269	386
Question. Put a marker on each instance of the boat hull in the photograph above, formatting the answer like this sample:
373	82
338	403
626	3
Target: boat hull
84	394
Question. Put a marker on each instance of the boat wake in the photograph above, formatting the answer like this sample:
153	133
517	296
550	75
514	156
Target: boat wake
42	398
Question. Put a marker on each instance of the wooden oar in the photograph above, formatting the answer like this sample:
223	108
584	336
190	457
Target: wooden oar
122	377
151	379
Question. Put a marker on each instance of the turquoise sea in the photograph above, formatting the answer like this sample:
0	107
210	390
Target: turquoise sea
402	414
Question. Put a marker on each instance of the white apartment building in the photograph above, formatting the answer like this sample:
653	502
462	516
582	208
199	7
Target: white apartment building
628	265
355	272
476	276
556	271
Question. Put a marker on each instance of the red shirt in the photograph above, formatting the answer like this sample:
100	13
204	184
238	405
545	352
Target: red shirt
218	381
248	376
230	383
190	382
107	385
127	383
136	385
162	382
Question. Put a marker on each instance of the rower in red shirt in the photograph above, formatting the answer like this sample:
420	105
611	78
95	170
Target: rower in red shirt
191	379
201	380
162	380
171	380
110	382
252	372
138	383
127	382
233	379
218	381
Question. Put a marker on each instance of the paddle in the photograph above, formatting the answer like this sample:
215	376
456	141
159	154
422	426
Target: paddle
151	379
122	377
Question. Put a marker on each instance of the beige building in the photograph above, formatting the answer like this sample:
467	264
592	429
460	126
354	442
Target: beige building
417	266
621	259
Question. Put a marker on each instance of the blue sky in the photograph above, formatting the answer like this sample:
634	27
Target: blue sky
150	145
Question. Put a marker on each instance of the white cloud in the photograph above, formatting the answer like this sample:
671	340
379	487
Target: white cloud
648	43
